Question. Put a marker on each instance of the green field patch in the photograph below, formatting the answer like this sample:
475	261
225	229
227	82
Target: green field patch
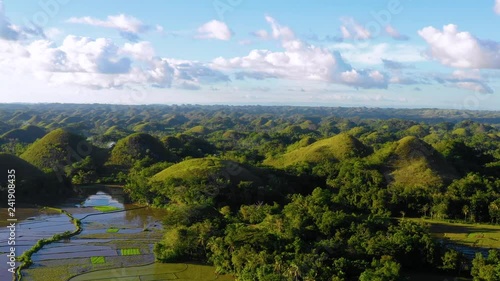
112	230
156	271
98	260
106	208
130	252
473	235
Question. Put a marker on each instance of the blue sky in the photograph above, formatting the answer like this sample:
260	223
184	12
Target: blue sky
390	53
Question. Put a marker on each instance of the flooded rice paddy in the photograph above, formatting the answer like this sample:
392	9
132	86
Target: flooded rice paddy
113	242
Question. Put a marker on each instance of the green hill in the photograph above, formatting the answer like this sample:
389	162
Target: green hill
204	168
116	131
26	134
337	148
136	147
57	148
414	163
210	181
4	127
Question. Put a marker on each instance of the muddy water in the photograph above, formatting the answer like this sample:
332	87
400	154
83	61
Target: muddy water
109	239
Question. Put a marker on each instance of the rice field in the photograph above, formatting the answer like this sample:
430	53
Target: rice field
157	272
130	252
98	260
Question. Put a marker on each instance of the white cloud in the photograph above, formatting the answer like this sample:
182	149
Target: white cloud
351	29
120	22
140	51
12	32
129	27
262	34
460	49
101	64
279	31
467	74
301	61
214	30
372	54
471	80
475	87
497	7
394	33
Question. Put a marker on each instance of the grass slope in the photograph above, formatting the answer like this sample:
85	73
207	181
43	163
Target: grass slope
136	147
57	148
156	271
202	168
337	148
417	163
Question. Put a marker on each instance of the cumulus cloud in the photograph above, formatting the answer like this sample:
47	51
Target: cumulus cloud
471	80
301	61
395	65
197	72
12	32
460	49
371	54
497	7
242	75
475	87
351	29
129	27
214	30
262	34
391	31
101	64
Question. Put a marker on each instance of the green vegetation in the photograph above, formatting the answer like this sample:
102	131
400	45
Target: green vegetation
57	149
27	134
472	235
135	147
33	185
283	193
97	260
130	252
106	208
182	272
112	230
338	148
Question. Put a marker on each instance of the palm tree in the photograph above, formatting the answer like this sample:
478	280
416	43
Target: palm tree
465	210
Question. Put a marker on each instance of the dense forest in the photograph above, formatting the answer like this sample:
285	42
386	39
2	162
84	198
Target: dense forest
276	193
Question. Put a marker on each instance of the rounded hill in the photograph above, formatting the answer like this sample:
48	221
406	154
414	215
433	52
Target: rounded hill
413	163
206	168
57	149
337	148
26	134
136	147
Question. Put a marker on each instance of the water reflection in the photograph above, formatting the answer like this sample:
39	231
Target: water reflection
102	199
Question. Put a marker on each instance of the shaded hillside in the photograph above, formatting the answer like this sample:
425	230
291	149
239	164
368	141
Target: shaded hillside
32	185
337	148
26	134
